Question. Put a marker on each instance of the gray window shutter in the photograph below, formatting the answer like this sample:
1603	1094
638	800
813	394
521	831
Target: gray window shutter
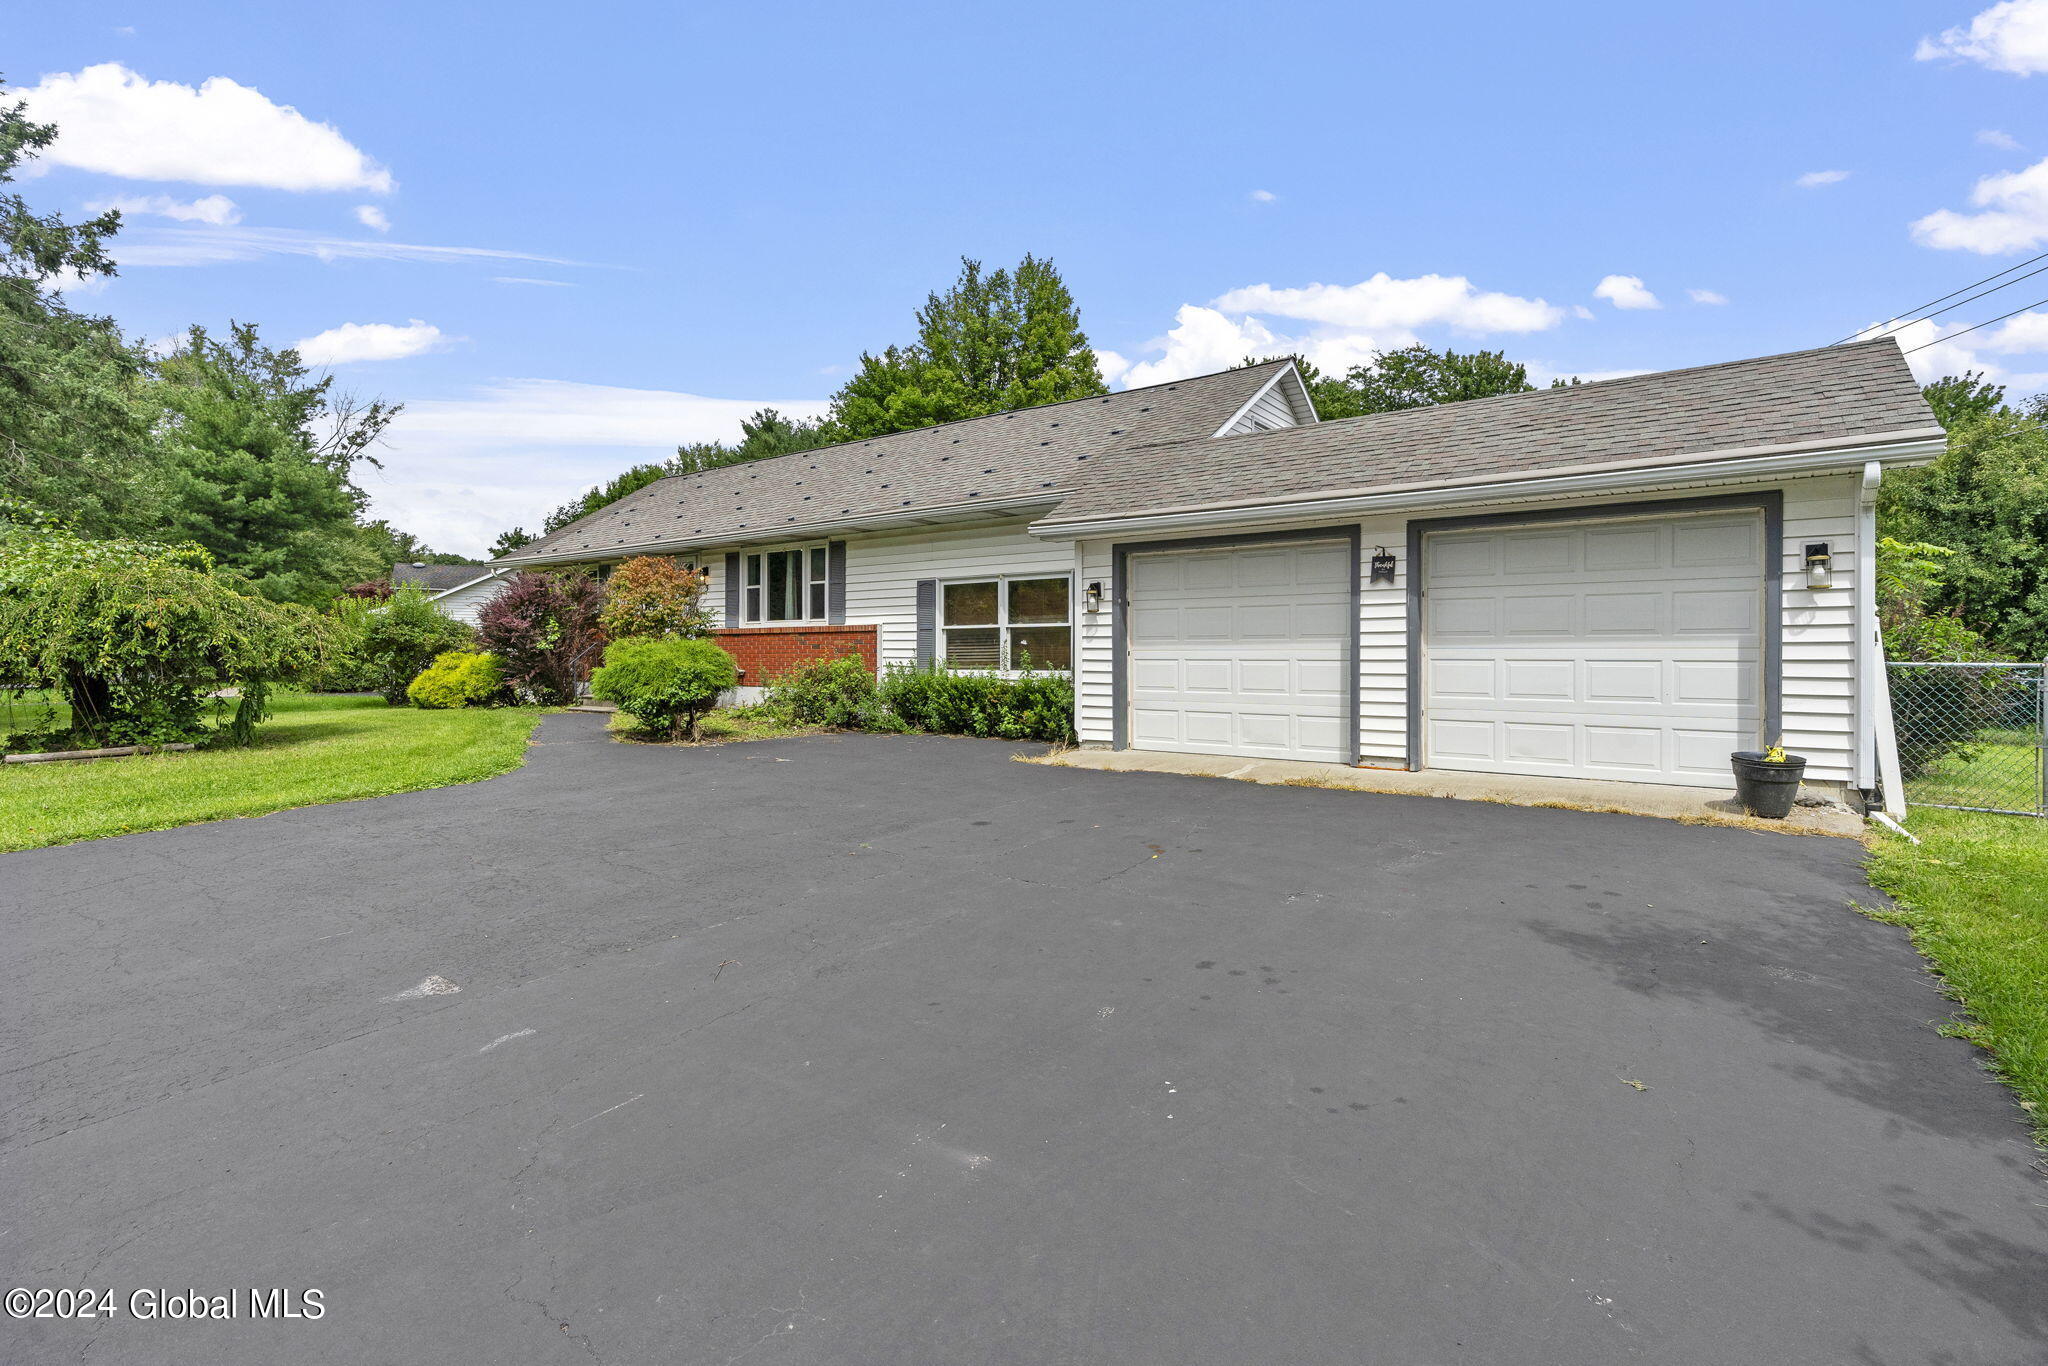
927	622
732	588
835	582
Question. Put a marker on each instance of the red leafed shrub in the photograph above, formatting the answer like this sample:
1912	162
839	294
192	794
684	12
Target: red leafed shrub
377	590
544	629
652	595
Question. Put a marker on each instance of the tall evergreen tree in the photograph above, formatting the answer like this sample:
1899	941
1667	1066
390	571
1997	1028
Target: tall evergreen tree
256	465
991	343
74	431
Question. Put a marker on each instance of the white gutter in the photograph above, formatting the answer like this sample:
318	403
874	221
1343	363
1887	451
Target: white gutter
460	586
1760	462
1877	762
918	516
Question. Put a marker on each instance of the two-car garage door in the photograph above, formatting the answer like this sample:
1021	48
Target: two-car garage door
1629	648
1626	649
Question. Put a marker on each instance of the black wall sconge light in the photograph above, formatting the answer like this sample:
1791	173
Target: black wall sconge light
1094	595
1382	565
1820	570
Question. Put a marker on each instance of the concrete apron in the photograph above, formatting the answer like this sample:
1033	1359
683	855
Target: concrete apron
1696	805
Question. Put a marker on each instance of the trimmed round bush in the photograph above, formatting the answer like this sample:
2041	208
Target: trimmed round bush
459	678
664	683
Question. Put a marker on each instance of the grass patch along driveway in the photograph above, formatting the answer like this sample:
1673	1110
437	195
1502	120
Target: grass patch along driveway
1974	896
314	749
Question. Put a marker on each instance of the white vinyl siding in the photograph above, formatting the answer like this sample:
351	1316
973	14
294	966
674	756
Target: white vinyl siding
464	603
882	574
1269	411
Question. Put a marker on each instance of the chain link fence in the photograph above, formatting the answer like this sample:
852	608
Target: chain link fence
1972	736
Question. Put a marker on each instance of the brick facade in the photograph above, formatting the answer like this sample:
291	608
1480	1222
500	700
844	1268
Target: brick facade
764	652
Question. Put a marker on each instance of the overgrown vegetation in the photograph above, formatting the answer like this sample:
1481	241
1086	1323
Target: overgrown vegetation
315	749
1985	502
402	637
1971	896
138	638
664	683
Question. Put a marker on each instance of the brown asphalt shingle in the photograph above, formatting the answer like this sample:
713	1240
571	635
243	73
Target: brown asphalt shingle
1839	393
995	459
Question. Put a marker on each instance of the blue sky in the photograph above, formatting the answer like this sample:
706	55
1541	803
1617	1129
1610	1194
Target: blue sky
728	203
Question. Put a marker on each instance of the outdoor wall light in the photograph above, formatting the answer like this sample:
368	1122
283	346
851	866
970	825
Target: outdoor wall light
1094	595
1382	565
1820	570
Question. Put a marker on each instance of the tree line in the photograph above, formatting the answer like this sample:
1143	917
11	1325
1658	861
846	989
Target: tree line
216	440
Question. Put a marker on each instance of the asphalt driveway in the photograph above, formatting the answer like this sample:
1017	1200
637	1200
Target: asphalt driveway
892	1050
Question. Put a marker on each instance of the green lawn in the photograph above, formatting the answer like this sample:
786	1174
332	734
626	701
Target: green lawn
313	750
2001	769
1974	896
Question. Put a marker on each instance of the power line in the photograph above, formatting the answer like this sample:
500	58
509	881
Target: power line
1986	323
1952	293
1924	317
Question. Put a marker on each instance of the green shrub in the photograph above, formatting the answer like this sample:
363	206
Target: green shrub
348	666
1031	706
404	636
459	678
139	638
663	683
830	692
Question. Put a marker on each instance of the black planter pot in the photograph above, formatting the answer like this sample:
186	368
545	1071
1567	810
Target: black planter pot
1763	788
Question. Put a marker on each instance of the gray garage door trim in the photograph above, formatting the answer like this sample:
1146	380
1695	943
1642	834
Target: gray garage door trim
1771	502
1120	577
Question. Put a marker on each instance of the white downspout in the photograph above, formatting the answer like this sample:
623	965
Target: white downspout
1877	751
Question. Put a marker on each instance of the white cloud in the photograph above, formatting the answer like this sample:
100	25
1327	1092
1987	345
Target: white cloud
1263	196
2012	36
112	120
225	246
1625	291
529	280
1814	179
216	209
1706	296
1993	137
1934	350
2012	215
1383	301
1582	313
369	341
1201	341
458	471
372	217
1347	324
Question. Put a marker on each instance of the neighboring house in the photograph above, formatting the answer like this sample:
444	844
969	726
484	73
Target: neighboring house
459	590
1620	580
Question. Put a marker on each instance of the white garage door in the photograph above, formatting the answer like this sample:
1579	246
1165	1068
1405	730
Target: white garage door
1627	649
1241	651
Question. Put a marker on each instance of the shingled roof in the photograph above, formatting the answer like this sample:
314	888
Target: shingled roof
1849	394
1028	458
438	578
